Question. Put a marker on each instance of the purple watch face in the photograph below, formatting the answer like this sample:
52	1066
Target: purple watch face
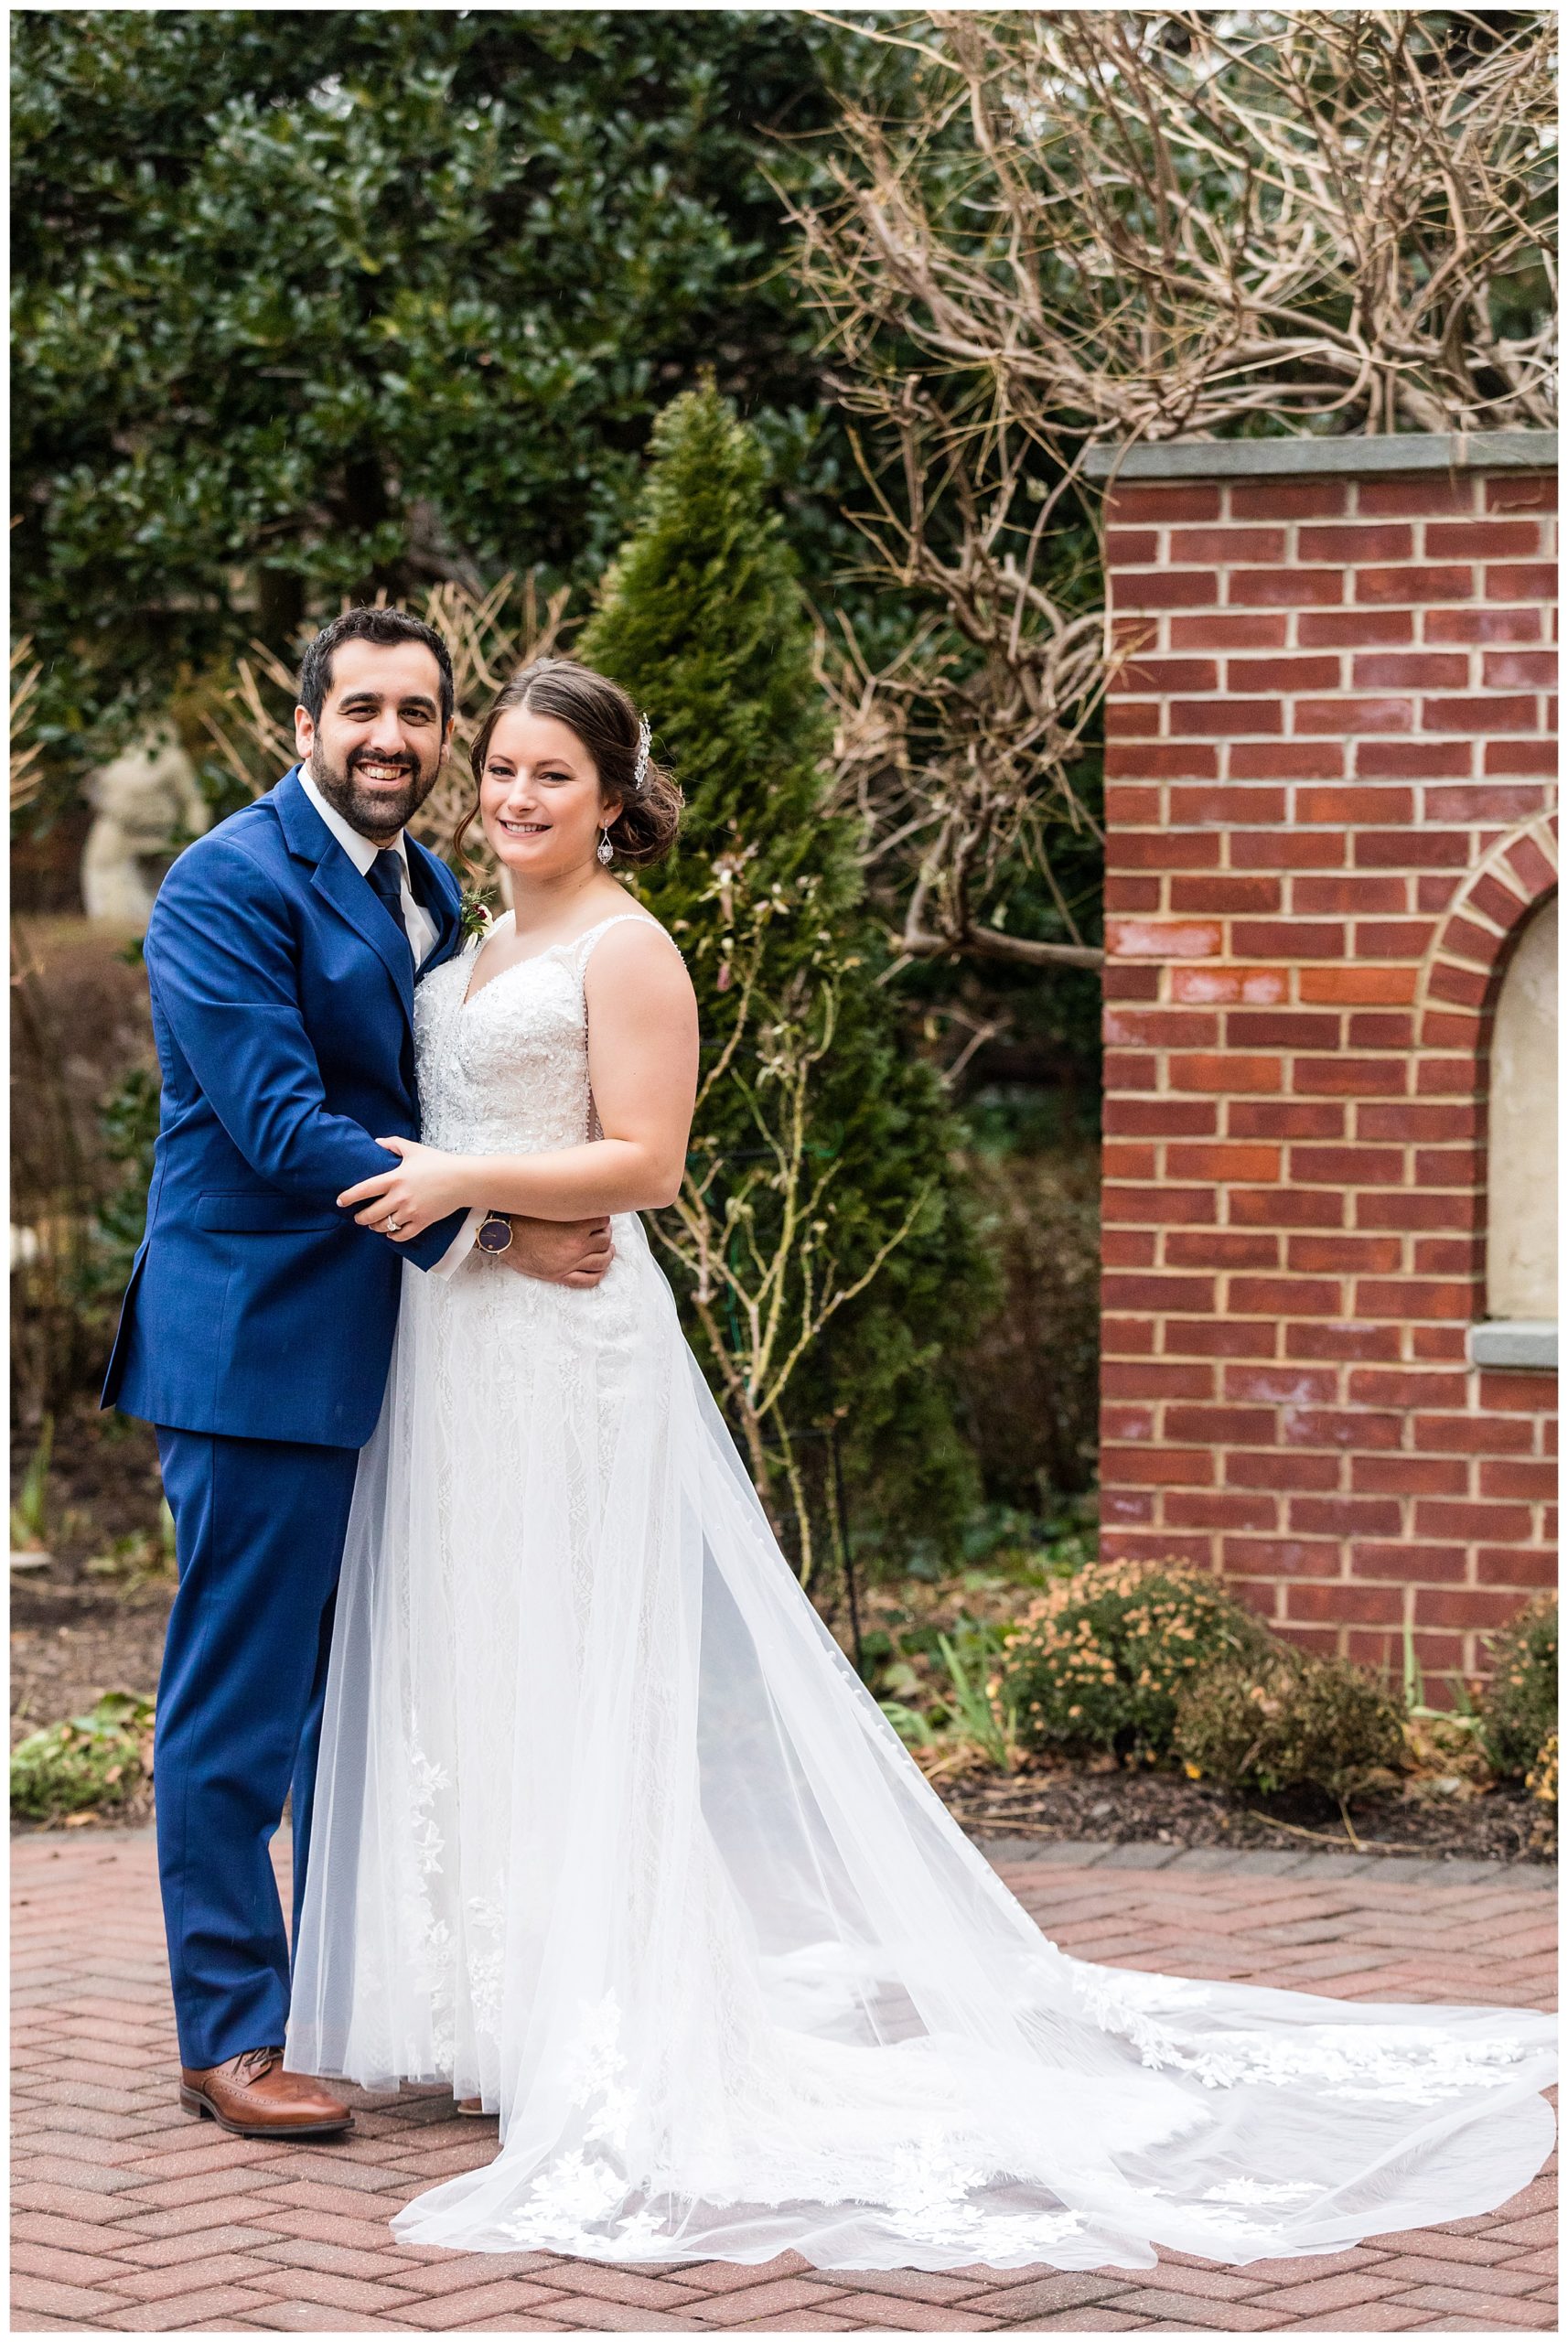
494	1234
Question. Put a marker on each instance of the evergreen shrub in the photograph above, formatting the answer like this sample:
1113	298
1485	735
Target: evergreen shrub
1100	1660
1519	1706
823	1153
129	1120
1295	1722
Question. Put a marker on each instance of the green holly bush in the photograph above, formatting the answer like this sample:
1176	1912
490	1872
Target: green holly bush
310	304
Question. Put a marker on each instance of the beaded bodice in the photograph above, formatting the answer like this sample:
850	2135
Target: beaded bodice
503	1069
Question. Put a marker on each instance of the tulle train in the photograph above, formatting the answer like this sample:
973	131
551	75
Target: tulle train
608	1832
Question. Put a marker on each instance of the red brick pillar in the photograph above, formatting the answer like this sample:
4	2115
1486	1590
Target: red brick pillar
1329	760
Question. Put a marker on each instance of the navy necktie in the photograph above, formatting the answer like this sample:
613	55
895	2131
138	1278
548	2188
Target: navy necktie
385	875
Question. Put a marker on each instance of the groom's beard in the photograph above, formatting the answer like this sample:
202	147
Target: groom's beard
376	813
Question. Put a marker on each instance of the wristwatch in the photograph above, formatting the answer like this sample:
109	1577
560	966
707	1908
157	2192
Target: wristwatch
494	1232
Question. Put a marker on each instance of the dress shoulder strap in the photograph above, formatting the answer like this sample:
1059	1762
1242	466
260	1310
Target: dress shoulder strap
583	950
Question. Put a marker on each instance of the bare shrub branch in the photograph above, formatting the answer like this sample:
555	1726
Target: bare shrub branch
754	1230
26	749
1095	227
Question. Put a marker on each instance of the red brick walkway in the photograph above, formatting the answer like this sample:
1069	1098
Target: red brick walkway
128	2216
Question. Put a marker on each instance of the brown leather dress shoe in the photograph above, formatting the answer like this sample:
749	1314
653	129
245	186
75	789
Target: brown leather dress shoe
253	2097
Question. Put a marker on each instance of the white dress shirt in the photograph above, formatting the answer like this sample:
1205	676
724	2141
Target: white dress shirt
418	925
421	930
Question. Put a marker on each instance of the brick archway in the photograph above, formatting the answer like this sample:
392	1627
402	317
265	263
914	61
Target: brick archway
1456	992
1459	978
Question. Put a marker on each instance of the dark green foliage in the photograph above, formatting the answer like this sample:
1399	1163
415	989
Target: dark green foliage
1518	1707
1295	1722
130	1121
1101	1659
703	620
1030	1381
310	303
701	616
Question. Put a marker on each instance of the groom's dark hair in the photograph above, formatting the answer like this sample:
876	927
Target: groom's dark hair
377	625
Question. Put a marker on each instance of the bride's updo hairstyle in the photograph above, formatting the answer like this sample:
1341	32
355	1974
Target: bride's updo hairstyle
606	720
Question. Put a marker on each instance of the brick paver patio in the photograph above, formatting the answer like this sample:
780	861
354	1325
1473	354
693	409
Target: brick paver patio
129	2216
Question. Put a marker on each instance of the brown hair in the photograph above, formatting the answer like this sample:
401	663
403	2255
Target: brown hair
606	720
380	625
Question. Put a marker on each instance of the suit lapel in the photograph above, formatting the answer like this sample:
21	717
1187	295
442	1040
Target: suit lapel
434	889
336	877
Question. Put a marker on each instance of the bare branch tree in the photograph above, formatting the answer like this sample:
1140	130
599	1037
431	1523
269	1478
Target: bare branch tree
1106	226
26	749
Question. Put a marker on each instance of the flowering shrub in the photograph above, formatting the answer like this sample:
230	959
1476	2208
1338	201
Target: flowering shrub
1100	1659
1519	1706
1294	1722
1541	1783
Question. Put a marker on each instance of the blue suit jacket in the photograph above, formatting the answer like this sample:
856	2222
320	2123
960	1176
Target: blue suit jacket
283	1010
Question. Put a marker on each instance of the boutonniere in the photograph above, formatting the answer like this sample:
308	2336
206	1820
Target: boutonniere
474	918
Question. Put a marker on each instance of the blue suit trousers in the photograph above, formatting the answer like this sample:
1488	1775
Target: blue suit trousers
258	1531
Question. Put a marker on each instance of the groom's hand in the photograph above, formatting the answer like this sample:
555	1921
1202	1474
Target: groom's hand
559	1251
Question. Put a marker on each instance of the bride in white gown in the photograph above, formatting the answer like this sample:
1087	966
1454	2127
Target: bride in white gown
607	1832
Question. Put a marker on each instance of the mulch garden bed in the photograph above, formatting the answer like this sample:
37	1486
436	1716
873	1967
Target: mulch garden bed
1124	1807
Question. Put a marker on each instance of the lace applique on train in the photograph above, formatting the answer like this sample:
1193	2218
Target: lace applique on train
1419	2066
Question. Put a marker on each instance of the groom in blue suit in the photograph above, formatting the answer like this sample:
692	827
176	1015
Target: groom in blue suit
257	1328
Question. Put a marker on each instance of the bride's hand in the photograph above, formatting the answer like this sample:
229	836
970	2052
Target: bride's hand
421	1187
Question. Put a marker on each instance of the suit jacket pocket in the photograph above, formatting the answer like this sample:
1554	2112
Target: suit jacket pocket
256	1212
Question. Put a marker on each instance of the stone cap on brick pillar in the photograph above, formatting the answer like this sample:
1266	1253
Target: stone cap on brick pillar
1423	451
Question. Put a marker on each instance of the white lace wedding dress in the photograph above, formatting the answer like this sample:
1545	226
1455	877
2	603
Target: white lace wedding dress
607	1830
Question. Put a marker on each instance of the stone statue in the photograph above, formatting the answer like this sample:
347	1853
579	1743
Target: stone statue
144	803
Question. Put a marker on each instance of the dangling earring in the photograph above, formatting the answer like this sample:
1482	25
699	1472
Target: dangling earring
606	851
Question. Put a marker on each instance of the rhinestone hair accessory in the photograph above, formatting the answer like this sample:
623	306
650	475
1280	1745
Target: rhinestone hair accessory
644	743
